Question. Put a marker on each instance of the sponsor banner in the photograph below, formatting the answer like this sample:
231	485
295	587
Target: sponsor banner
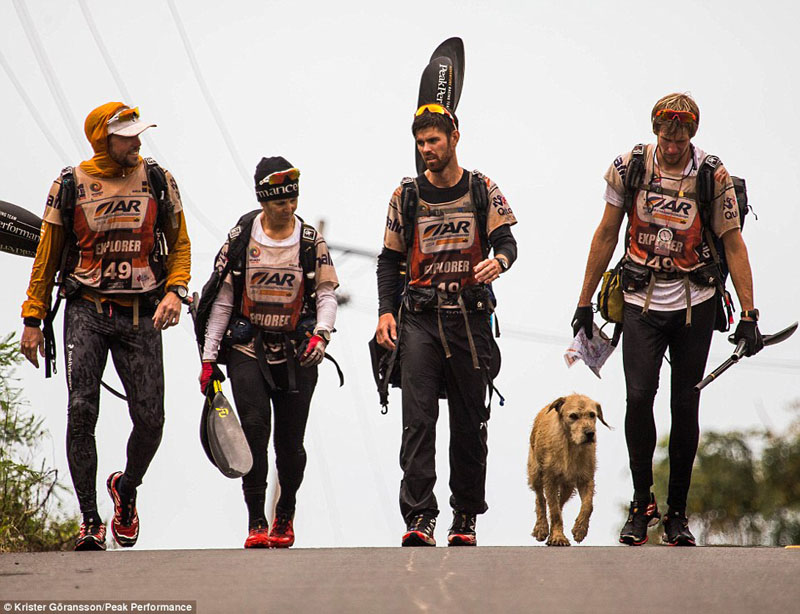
277	285
117	212
451	232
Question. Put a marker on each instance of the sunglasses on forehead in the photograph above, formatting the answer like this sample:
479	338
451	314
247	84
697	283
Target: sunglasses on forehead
279	177
126	115
435	108
684	117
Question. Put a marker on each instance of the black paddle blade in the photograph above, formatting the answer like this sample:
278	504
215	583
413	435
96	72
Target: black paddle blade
207	404
226	439
441	81
19	230
453	48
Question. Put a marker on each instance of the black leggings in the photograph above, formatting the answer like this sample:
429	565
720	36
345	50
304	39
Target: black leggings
88	338
252	397
645	339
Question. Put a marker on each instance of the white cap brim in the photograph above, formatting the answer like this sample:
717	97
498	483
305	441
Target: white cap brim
130	128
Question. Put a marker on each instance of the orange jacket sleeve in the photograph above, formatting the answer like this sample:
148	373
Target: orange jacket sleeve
45	265
179	260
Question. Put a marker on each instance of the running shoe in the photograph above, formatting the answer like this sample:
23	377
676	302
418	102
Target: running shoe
91	537
676	530
420	531
282	534
125	525
642	515
258	537
462	531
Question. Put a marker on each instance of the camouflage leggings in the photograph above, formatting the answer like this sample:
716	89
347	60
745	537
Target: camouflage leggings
88	337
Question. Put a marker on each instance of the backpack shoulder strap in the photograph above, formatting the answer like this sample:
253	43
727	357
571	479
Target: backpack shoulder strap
67	195
157	179
634	174
239	238
409	197
705	187
479	195
308	261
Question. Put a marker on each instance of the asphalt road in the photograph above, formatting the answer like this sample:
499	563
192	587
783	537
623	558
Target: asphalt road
534	579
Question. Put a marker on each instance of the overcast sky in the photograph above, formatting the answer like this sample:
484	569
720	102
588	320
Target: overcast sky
553	92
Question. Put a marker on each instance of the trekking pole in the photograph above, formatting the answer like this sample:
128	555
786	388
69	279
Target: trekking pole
739	352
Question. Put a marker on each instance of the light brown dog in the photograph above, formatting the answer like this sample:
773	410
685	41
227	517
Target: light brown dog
561	459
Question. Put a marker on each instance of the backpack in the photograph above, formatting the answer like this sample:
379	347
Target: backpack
479	194
232	261
634	177
409	200
67	197
386	369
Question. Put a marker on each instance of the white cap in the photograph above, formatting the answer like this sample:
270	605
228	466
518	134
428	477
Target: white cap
125	122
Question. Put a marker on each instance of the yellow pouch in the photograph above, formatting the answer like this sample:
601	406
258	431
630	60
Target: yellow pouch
610	300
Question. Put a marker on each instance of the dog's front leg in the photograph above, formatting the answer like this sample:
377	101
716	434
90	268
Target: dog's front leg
557	537
581	527
541	530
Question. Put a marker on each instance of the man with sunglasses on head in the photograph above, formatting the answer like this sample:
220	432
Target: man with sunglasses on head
670	281
443	224
114	230
273	312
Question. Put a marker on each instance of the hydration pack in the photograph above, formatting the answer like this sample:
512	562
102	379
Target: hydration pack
634	179
479	194
67	198
233	262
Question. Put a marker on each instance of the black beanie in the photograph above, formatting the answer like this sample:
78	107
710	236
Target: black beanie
265	191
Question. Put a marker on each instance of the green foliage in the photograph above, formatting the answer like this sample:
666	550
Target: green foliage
28	496
737	496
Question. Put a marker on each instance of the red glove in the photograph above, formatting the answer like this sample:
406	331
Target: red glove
314	352
210	371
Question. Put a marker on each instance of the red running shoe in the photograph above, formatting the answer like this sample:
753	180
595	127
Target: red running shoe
258	537
125	525
282	534
91	537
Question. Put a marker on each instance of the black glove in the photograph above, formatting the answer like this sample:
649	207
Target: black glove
747	330
583	319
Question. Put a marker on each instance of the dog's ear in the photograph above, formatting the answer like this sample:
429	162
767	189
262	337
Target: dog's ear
600	414
557	404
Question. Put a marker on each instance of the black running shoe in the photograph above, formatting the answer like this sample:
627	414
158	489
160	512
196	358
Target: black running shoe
641	516
462	531
676	530
420	531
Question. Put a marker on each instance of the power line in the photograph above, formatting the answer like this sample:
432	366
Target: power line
50	76
34	112
207	95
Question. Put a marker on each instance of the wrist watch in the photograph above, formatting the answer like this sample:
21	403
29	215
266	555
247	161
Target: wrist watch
750	313
181	291
503	264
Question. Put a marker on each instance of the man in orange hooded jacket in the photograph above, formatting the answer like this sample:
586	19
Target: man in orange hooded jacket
122	288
